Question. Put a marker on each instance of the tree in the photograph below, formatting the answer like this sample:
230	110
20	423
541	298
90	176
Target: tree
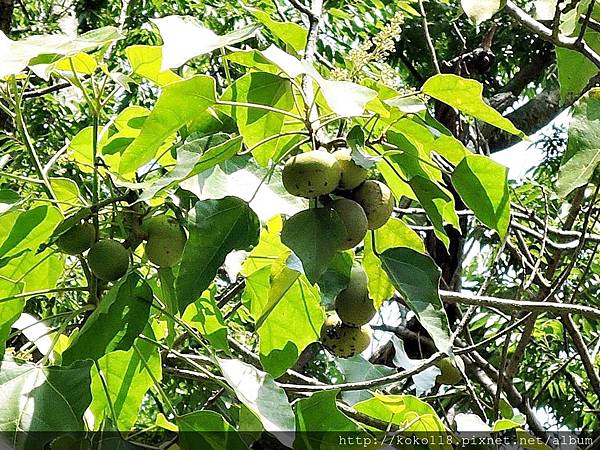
279	224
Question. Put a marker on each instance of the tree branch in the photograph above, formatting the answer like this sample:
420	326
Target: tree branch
520	305
546	34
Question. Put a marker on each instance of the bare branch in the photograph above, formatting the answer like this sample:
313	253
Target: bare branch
547	34
520	305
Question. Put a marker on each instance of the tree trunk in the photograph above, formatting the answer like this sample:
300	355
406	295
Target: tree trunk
6	14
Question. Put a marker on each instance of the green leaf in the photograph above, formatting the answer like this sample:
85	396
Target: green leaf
179	103
253	59
319	422
314	235
184	38
10	310
16	55
417	278
483	185
395	233
344	98
216	227
8	200
583	146
258	391
356	369
467	96
66	192
208	429
194	157
26	231
481	10
336	277
115	324
288	314
439	205
125	376
146	62
409	413
256	125
205	316
42	401
290	33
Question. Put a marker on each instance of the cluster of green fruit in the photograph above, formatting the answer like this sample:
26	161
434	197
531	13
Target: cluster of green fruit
108	259
341	184
347	333
361	204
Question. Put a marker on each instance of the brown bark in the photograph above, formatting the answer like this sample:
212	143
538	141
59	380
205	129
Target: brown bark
6	14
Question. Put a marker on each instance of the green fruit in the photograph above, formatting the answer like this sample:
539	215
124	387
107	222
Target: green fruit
108	260
311	174
352	174
354	219
342	340
166	240
353	305
450	374
377	201
77	240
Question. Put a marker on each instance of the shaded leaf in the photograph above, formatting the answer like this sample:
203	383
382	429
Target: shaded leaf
417	278
314	235
208	429
319	422
115	324
290	33
216	227
395	233
38	399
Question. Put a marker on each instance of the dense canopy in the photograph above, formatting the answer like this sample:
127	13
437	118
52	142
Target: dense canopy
285	223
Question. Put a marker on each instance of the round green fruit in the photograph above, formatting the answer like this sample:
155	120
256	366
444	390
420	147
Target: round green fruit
77	240
343	340
377	201
311	174
108	260
166	240
352	174
354	219
450	374
353	305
